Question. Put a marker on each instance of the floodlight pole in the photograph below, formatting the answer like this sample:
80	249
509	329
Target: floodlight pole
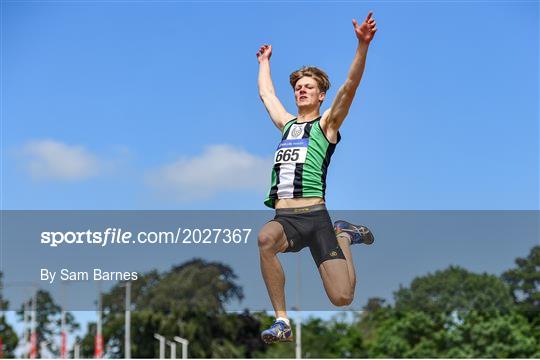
127	341
30	337
298	347
161	345
98	349
26	332
63	335
33	334
185	344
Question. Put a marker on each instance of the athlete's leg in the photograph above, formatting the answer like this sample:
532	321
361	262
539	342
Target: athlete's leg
272	240
344	241
338	275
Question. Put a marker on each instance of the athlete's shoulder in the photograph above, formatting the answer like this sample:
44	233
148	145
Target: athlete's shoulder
287	124
332	135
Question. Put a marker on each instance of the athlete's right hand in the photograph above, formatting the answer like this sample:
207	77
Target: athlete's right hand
264	53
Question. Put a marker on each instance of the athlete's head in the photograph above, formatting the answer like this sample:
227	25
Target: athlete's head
310	85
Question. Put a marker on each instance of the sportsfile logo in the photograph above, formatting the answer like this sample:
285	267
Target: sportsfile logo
110	235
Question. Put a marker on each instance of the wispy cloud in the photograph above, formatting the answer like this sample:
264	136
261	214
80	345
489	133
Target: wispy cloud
220	168
53	160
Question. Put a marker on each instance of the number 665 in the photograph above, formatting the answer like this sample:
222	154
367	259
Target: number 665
287	155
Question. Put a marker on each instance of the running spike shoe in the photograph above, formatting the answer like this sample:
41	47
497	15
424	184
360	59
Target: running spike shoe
360	234
279	331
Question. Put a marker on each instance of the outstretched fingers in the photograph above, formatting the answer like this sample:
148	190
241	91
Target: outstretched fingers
369	15
372	24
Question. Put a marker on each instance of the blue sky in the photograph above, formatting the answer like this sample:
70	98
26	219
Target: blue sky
137	105
446	116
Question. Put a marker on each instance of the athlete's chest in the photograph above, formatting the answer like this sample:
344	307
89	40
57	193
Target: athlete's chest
294	144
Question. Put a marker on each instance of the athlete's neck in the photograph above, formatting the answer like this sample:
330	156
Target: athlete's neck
307	116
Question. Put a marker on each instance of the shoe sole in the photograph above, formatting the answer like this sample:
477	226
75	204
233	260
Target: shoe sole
270	339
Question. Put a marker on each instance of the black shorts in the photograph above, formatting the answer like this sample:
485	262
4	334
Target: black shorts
311	227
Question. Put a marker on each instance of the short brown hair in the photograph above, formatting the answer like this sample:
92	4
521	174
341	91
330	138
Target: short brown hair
311	71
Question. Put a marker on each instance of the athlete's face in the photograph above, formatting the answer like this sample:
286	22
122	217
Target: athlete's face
307	93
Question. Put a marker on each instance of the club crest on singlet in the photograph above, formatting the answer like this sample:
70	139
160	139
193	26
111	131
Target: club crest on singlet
297	131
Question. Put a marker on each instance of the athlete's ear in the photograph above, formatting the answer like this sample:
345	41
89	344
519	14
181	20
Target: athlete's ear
322	96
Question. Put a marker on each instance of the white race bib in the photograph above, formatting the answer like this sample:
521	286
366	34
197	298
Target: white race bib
291	151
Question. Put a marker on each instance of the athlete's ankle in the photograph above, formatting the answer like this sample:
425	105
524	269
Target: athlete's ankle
284	319
344	235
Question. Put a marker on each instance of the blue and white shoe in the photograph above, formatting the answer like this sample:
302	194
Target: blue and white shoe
279	331
360	234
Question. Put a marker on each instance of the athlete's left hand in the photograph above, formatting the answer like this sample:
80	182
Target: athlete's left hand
365	31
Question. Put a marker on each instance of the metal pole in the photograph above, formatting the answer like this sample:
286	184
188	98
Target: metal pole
33	335
161	345
127	343
29	318
98	351
172	344
185	344
63	336
76	351
26	332
299	336
298	348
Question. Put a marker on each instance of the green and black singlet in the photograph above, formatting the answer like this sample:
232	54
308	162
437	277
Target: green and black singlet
300	162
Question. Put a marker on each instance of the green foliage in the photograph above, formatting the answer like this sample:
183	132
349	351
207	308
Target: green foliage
451	313
455	291
9	337
409	334
48	320
524	280
87	342
3	303
187	301
501	336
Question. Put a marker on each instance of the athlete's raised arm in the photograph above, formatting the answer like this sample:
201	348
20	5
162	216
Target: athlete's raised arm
275	109
333	117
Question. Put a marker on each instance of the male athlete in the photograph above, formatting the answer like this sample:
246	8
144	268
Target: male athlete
299	182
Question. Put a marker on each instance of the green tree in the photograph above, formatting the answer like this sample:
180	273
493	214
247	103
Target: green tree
373	314
187	301
451	313
408	334
455	291
48	320
87	342
8	336
524	281
499	336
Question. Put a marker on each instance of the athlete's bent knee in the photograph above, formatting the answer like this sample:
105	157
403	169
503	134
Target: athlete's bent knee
342	299
266	241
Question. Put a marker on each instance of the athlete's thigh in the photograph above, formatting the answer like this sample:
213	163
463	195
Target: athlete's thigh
335	277
273	235
334	269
